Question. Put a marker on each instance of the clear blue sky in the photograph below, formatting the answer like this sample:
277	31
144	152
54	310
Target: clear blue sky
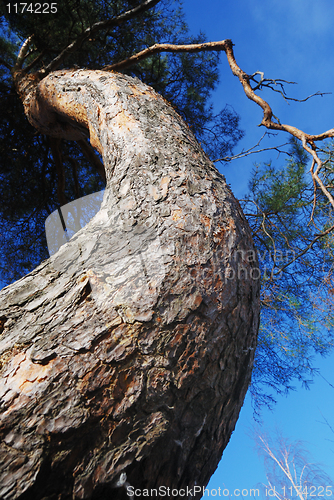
292	40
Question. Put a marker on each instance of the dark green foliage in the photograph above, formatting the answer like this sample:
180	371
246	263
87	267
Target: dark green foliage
28	177
296	283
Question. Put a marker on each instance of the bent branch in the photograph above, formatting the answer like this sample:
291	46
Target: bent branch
307	140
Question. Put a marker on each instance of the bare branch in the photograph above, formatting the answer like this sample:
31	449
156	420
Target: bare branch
318	162
321	94
227	47
288	467
115	21
307	140
166	47
57	156
267	111
35	61
267	120
314	192
5	63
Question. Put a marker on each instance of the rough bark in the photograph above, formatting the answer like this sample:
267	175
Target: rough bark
125	357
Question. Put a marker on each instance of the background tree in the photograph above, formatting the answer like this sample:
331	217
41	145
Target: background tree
290	471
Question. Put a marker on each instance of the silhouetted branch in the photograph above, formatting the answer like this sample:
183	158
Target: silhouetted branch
74	164
35	61
5	63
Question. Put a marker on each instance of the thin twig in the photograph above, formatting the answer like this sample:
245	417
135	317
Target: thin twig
35	61
269	82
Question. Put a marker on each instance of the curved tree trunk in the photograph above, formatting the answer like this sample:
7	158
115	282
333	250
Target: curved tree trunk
125	357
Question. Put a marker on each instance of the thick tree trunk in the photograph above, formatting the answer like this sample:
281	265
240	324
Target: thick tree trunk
125	357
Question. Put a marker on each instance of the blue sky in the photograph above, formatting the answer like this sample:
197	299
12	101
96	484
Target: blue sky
292	40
